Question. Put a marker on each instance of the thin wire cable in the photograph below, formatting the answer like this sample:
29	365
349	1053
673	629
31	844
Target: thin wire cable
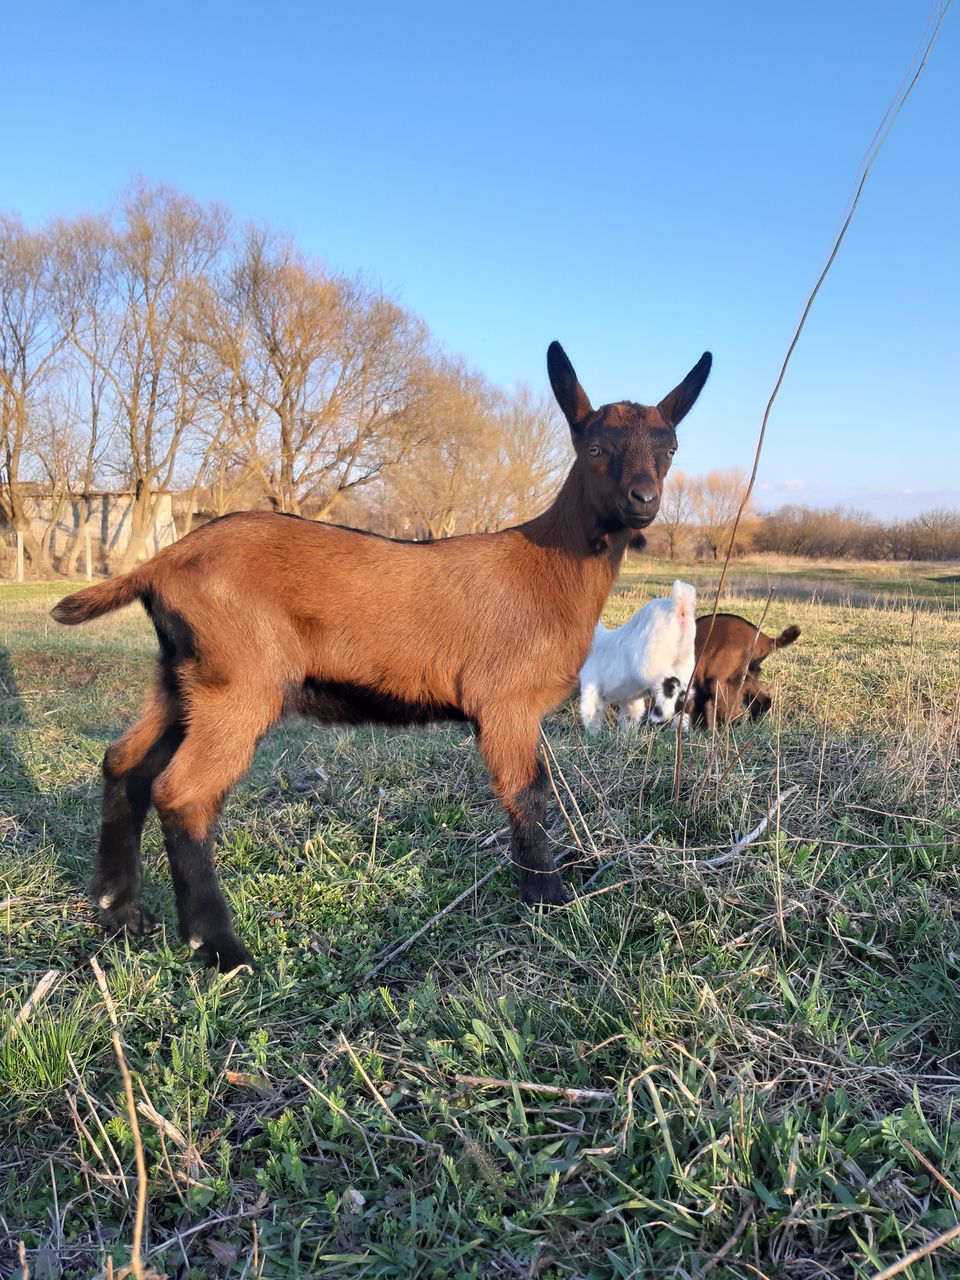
883	132
879	138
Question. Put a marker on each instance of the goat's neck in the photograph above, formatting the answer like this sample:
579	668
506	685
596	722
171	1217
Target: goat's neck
570	530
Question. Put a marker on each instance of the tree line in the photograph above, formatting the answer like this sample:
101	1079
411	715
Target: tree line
698	515
159	348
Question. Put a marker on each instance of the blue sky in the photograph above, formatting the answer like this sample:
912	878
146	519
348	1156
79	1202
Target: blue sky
642	181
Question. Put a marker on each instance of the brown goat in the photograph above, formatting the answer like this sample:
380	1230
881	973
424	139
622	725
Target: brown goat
729	652
259	615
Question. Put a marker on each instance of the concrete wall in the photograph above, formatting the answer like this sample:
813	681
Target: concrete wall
107	518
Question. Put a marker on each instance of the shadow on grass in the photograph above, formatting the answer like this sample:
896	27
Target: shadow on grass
17	788
54	823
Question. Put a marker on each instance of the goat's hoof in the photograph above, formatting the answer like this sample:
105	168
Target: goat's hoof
224	952
544	891
128	917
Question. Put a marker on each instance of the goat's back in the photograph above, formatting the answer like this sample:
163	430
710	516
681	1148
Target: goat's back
729	634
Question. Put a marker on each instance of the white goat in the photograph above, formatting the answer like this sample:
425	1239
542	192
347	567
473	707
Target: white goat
646	662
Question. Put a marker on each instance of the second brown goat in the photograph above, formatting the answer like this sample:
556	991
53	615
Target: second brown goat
729	652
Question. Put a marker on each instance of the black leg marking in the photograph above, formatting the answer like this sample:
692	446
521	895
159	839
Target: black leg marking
126	800
205	922
537	876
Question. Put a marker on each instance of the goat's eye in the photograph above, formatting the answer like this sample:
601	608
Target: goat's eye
671	452
595	451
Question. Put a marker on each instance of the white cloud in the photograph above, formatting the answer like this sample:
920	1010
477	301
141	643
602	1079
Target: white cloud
794	485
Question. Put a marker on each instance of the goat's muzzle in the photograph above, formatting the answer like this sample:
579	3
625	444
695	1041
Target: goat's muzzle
638	512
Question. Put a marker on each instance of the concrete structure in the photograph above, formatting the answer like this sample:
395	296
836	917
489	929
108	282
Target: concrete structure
104	515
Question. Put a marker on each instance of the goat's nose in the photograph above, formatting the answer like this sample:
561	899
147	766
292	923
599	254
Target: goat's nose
643	494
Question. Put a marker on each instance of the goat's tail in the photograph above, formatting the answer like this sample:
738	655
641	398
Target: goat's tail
684	597
94	601
786	637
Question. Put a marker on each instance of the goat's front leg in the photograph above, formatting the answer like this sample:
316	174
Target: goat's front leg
711	690
592	707
632	713
520	781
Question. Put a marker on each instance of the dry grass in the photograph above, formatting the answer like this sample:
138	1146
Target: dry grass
705	1066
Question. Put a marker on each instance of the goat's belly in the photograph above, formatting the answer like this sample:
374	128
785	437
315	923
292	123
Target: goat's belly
343	702
624	686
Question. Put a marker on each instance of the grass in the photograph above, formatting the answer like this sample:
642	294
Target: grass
773	1042
872	583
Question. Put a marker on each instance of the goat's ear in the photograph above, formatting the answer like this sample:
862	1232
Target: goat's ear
571	397
675	407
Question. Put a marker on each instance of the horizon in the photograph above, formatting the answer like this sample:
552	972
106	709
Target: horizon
501	196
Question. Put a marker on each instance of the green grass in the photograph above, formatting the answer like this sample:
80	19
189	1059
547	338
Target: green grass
775	1040
872	583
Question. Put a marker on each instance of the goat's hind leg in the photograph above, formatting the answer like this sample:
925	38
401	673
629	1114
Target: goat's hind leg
129	768
223	730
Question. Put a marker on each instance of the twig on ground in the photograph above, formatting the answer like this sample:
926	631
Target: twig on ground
193	1165
915	1255
136	1267
497	1082
931	1168
569	791
417	933
203	1226
623	856
528	1086
365	1133
95	1114
35	998
494	836
725	1248
710	864
380	1099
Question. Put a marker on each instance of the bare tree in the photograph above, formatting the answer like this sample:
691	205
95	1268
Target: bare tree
155	265
934	535
534	453
839	533
676	511
83	297
442	488
31	340
716	499
488	459
328	378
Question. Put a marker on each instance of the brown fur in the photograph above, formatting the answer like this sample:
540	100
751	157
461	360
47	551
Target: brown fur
726	680
259	615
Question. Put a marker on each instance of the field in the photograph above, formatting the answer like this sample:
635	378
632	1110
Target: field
729	1062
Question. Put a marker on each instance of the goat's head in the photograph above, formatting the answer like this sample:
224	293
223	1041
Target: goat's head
667	699
623	449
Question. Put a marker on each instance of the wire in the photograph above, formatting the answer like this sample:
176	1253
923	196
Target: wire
880	136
